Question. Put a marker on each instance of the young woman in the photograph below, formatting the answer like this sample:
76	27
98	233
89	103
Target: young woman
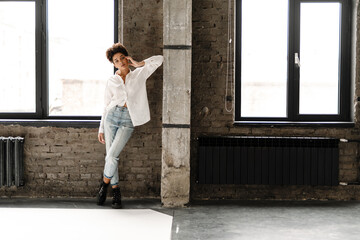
125	106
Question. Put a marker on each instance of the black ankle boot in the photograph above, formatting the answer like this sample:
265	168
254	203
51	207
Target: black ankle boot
101	196
116	203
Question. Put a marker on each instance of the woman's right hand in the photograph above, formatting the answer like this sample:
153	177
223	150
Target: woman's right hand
101	138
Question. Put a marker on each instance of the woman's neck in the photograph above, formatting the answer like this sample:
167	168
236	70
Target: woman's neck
123	73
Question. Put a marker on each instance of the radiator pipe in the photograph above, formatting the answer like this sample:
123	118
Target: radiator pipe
348	140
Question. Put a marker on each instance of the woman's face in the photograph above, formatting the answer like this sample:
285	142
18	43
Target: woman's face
120	61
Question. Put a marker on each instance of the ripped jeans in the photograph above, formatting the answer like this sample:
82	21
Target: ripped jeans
118	128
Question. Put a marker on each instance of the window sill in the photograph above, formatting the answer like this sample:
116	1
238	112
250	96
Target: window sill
52	123
294	124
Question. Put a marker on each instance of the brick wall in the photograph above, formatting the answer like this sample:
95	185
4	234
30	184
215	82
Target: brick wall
143	34
210	118
68	162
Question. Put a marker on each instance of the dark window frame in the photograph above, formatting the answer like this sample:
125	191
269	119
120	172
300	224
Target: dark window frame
42	80
293	115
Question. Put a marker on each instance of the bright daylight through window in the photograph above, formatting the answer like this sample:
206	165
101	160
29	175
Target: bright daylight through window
17	57
52	57
78	68
264	58
292	60
319	51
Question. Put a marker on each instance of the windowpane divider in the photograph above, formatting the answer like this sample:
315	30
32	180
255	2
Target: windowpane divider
293	84
41	116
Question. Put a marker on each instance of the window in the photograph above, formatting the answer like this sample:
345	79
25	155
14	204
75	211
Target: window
17	64
53	63
292	60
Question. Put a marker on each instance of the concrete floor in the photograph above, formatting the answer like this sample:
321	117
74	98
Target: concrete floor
275	220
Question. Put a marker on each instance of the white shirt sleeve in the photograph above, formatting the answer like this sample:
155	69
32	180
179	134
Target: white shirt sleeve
137	91
151	64
107	99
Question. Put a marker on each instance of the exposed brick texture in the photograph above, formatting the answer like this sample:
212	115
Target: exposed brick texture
68	162
210	118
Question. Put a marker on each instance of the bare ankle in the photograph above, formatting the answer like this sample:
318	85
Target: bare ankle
106	180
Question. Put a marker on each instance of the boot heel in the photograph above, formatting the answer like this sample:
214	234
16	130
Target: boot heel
116	203
101	196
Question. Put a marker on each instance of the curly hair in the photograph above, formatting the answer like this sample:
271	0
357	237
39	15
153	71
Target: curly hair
116	48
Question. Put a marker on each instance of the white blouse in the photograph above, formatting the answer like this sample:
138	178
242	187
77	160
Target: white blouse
132	92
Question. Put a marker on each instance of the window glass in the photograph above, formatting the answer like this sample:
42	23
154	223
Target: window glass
264	33
17	57
79	33
319	58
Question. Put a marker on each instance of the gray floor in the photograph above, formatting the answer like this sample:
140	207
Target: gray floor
258	220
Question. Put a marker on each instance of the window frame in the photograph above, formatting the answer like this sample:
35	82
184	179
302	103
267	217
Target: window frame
42	76
293	115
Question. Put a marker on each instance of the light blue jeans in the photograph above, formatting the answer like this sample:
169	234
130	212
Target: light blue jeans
118	128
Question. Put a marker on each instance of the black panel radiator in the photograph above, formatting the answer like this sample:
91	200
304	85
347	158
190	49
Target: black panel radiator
268	160
11	161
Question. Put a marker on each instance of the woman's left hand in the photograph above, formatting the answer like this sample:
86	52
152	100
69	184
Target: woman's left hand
134	63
